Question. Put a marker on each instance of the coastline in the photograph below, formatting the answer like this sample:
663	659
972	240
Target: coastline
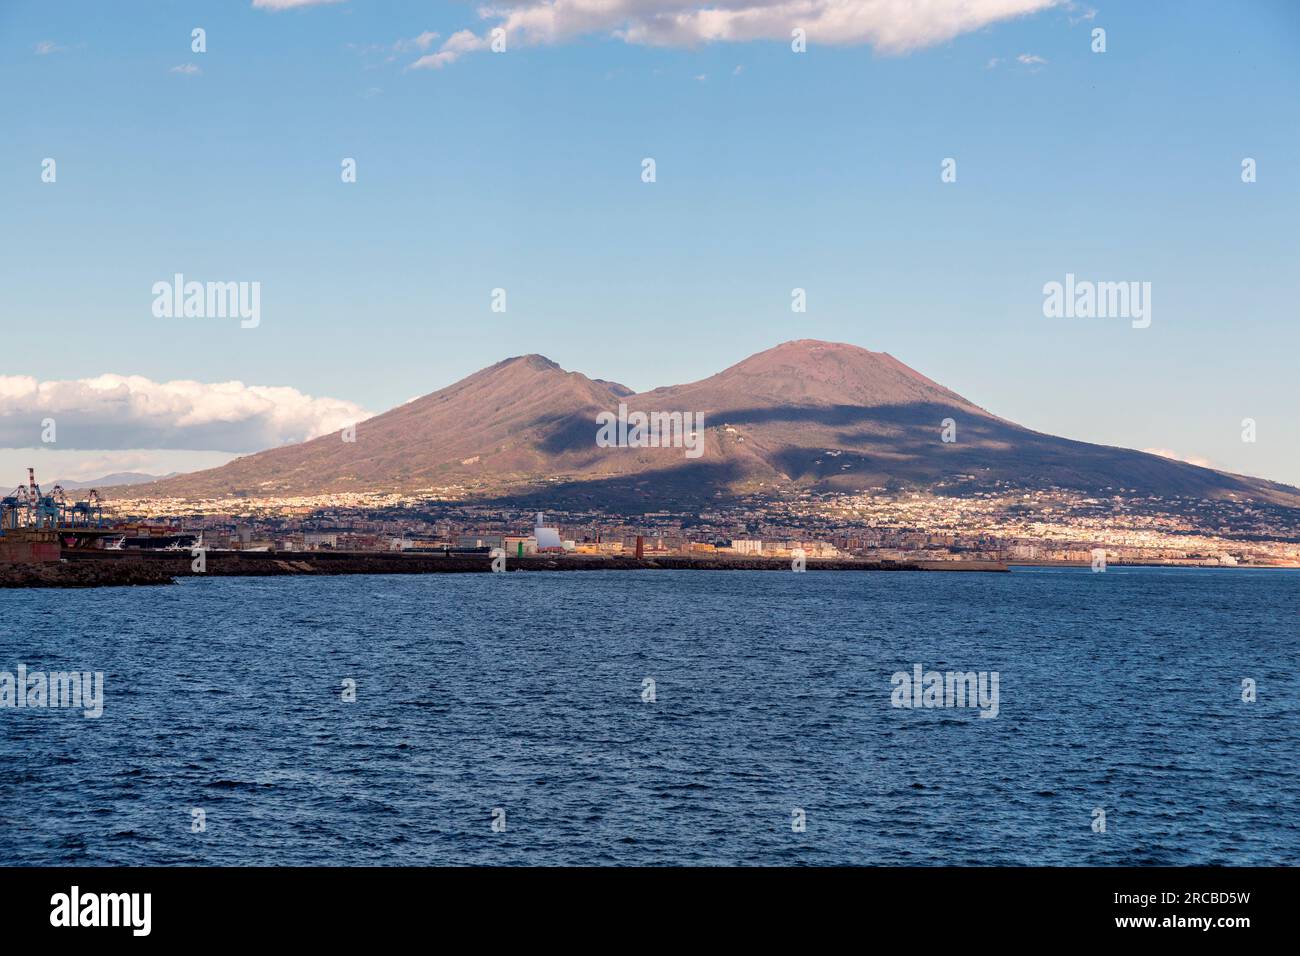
106	568
1203	565
82	569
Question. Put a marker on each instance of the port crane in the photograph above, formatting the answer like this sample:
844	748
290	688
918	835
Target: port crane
13	508
28	507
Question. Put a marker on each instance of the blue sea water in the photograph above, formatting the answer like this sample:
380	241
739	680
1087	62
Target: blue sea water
524	692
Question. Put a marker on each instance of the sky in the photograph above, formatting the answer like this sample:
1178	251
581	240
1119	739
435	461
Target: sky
522	170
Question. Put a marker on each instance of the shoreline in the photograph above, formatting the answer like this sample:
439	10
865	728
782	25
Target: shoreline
85	569
1202	565
108	568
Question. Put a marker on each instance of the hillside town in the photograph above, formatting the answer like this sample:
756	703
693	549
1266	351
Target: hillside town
1007	524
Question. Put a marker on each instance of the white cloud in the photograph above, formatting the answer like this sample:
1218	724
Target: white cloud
46	47
290	4
113	412
1030	59
460	42
186	69
1078	14
889	26
388	53
425	39
1189	459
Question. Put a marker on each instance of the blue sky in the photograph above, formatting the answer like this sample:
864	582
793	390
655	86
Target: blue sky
521	170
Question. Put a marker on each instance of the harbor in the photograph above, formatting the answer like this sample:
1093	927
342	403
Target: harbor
48	539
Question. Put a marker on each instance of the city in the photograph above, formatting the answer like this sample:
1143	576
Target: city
1013	525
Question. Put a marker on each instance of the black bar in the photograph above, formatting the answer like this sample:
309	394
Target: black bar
945	906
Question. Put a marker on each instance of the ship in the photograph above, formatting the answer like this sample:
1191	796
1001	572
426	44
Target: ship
143	537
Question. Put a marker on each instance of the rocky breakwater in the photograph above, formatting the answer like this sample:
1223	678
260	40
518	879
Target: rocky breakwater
82	574
265	563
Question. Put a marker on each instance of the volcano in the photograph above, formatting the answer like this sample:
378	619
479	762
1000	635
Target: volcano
803	416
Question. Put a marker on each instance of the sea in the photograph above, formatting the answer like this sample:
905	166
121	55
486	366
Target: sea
1144	716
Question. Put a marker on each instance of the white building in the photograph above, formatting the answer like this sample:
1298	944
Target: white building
546	537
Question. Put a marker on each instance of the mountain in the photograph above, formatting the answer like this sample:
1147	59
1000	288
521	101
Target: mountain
115	479
497	422
805	415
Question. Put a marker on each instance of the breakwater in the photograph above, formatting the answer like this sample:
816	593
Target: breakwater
84	574
265	563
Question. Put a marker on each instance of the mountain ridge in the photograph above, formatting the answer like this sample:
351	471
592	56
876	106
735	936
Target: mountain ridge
802	415
117	478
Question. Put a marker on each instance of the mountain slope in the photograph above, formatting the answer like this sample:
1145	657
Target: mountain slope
108	481
505	413
803	415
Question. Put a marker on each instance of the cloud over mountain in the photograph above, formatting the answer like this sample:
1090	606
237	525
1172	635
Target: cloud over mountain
130	411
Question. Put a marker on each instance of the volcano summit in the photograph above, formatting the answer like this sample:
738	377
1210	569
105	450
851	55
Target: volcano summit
803	416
